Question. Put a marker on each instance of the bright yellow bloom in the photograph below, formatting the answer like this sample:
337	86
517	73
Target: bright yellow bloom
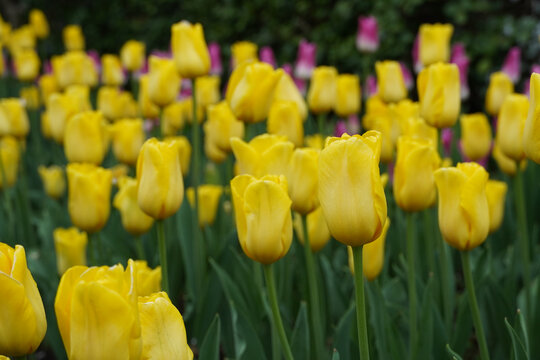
185	151
13	118
391	86
284	119
318	231
116	104
243	51
134	220
475	135
60	108
302	178
163	81
506	165
417	128
127	139
219	128
500	86
322	94
496	195
132	55
434	43
70	246
74	68
86	139
348	98
26	64
54	181
9	157
47	86
209	196
286	89
315	141
39	23
207	90
21	38
147	108
112	73
73	38
30	96
511	124
80	95
531	132
189	50
350	189
148	279
118	171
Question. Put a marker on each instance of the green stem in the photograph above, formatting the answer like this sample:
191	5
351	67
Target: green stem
411	280
469	284
94	251
429	240
314	306
524	237
195	183
140	248
163	256
361	320
321	119
445	280
278	323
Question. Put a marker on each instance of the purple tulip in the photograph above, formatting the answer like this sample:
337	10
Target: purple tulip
266	54
407	76
417	64
447	134
306	60
371	86
301	85
534	69
460	58
512	64
94	55
340	128
215	59
288	69
367	37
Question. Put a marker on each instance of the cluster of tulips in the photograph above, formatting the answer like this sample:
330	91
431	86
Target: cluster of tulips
289	177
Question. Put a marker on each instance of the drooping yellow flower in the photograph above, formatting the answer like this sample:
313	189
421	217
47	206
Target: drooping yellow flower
391	86
284	119
70	247
86	139
496	195
134	220
322	91
189	49
475	135
54	181
209	196
434	43
500	86
511	124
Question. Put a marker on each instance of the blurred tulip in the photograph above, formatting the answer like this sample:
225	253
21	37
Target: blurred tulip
115	104
243	51
511	124
220	127
73	38
80	95
112	73
391	86
407	76
209	196
531	132
435	43
172	118
127	139
496	195
371	86
39	23
70	247
315	141
318	232
74	68
132	55
148	109
500	86
21	38
148	280
350	189
460	58
306	60
134	220
512	64
535	68
163	81
266	54
45	125
30	97
189	50
13	118
86	139
60	108
23	324
506	165
417	128
348	95
215	59
54	181
118	171
284	119
207	90
367	37
286	89
26	64
476	135
184	147
322	92
302	178
186	106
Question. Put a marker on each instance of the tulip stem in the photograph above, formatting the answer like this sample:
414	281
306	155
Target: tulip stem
95	249
524	236
314	306
140	248
411	280
361	320
469	284
447	294
163	256
278	323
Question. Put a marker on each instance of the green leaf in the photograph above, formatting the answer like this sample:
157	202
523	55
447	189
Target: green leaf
300	336
342	335
453	355
210	344
519	351
247	340
425	344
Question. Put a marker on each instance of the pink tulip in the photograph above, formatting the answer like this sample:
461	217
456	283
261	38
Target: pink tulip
512	64
460	58
266	54
367	38
371	86
288	69
417	64
534	69
447	134
94	55
215	59
350	126
301	85
306	60
340	128
407	76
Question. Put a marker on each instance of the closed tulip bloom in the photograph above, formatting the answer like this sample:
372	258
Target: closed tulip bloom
286	89
463	206
500	86
262	211
439	94
30	96
73	38
70	246
417	128
187	110
163	81
511	124
243	51
159	178
86	139
207	88
184	147
112	73
60	108
147	108
127	139
148	279
391	86
97	314
496	196
54	181
89	193
80	95
115	103
350	189
26	64
172	118
475	135
213	152
10	157
348	95
414	184
132	55
221	125
134	220
209	196
506	164
284	119
318	231
23	324
250	90
39	23
13	118
21	38
74	68
189	50
162	329
435	43
322	94
302	178
531	132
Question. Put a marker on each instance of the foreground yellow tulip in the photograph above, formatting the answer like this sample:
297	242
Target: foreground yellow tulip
13	118
112	73
209	196
434	43
97	314
39	23
262	211
162	329
284	119
53	180
189	50
500	86
322	92
73	38
286	89
26	64
127	139
318	231
511	124
350	189
243	51
302	178
414	184
391	86
23	324
220	127
89	193
348	98
531	133
70	246
163	81
159	178
496	195
148	279
86	139
207	90
475	135
463	206
132	55
134	220
9	160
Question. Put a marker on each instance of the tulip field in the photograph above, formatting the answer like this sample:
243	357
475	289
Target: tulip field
207	201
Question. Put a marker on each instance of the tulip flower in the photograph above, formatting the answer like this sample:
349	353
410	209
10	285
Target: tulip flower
287	90
322	92
13	118
209	196
506	164
219	128
367	37
86	139
207	91
511	124
318	231
112	73
60	108
9	160
89	192
460	58
23	324
417	128
496	194
22	38
306	60
243	51
302	178
74	68
134	220
127	139
30	97
163	81
284	119
350	190
439	94
315	141
39	23
434	43
148	279
371	86
391	86
26	64
73	38
173	118
97	313
70	247
531	132
53	179
189	49
348	95
185	150
475	135
132	55
147	108
215	59
535	68
116	104
512	64
500	86
266	54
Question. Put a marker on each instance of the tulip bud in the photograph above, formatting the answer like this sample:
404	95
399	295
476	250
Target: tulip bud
512	64
367	37
435	43
21	39
209	196
132	55
323	89
243	51
115	104
148	109
463	206
13	118
531	132
26	64
511	124
284	119
262	211
287	90
348	95
391	86
80	95
73	38
302	178
207	90
496	194
127	139
39	23
112	72
475	135
163	81
23	324
350	189
189	50
70	246
215	59
185	151
9	158
85	139
220	127
500	86
318	232
134	220
53	180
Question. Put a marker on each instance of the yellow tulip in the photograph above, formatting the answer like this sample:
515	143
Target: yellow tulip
221	126
286	89
213	152
9	161
173	118
375	107
73	38
159	178
463	206
372	255
531	132
209	196
47	86
475	135
162	329
148	109
23	324
315	141
417	128
21	38
264	154
262	211
26	63
511	124
350	189
89	193
187	110
54	181
118	171
500	86
185	151
86	139
70	246
132	55
60	108
189	49
115	103
127	139
414	184
318	231
243	51
13	118
250	90
74	68
112	73
134	220
148	280
207	90
302	178
80	95
45	125
284	119
30	96
439	94
322	92
496	194
391	86
163	81
506	164
39	23
385	121
434	43
348	98
97	313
